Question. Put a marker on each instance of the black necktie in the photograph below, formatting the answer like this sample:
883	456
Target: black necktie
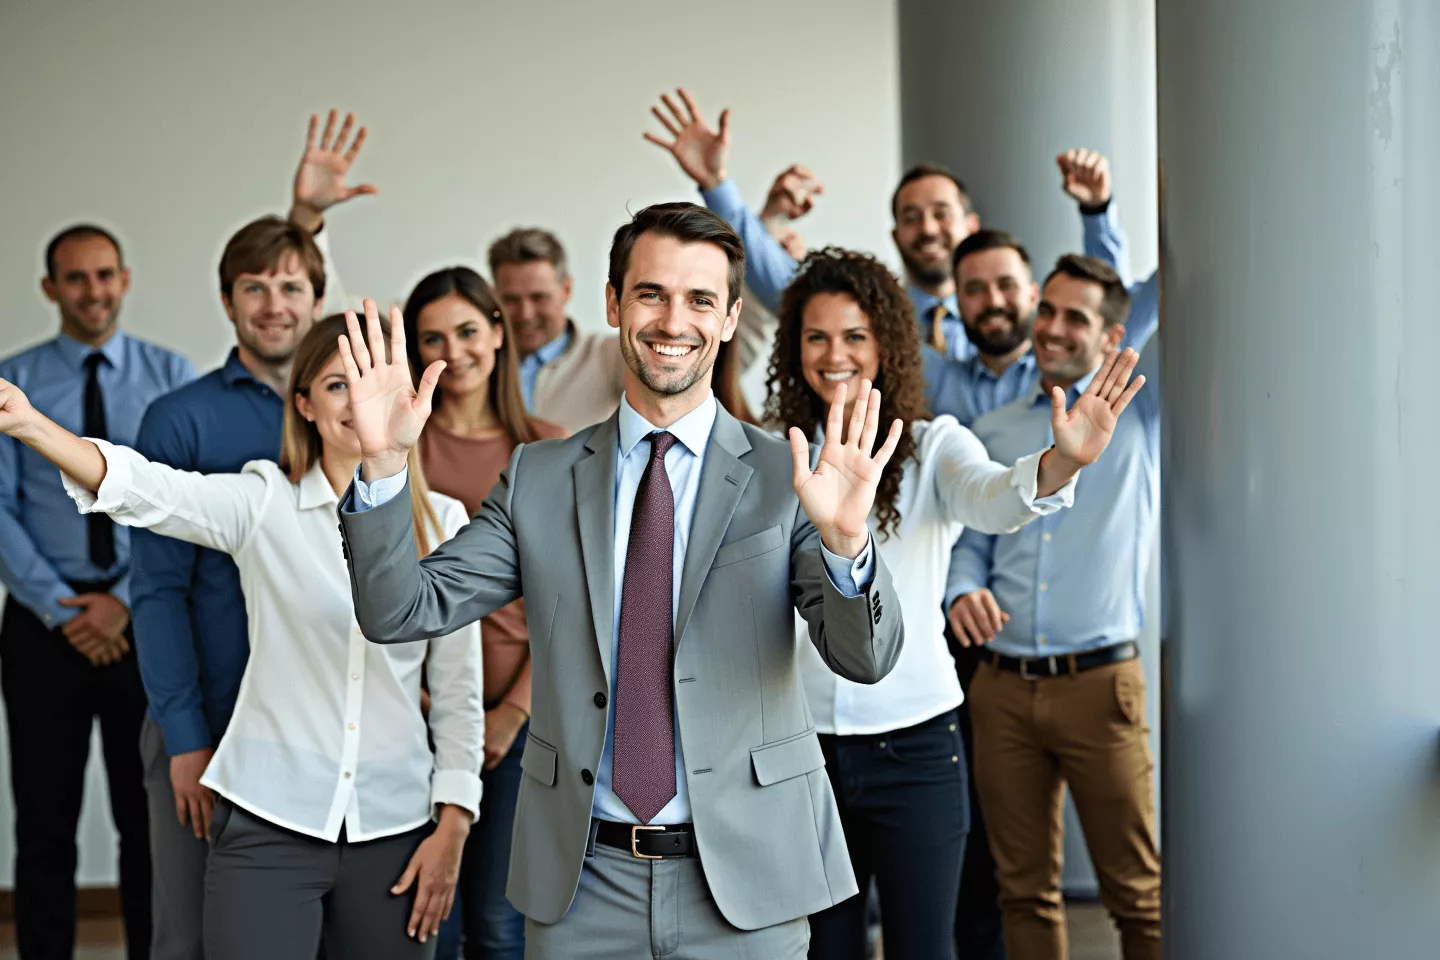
102	528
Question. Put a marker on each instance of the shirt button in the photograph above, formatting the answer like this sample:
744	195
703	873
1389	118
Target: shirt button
347	774
354	676
1044	587
352	726
1043	639
1047	538
587	777
601	700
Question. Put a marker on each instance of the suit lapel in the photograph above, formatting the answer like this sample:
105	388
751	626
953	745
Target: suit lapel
722	484
595	505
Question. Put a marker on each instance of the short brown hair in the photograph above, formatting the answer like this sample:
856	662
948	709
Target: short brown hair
919	172
1115	304
688	223
260	245
987	239
528	245
79	232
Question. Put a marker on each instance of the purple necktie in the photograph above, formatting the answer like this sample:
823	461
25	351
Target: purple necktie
644	772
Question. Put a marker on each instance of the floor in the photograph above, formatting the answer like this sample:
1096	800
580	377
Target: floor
1091	937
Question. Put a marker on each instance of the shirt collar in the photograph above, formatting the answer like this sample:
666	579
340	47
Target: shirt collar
555	347
75	352
1041	395
234	371
925	303
315	489
1025	364
693	429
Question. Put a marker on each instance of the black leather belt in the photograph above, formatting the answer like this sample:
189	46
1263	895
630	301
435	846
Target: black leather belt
647	842
1067	664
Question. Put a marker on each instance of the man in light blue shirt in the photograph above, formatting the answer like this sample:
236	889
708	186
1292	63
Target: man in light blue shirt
1058	698
65	643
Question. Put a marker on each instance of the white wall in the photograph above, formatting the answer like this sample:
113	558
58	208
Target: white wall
176	121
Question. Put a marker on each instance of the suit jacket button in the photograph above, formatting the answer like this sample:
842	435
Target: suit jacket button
601	700
587	777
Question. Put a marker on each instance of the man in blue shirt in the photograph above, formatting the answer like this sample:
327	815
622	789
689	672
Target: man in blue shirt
1059	697
65	654
190	617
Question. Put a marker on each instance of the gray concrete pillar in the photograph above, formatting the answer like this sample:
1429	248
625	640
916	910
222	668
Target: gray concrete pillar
995	89
1301	143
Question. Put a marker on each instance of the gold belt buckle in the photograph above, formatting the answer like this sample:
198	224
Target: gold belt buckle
635	840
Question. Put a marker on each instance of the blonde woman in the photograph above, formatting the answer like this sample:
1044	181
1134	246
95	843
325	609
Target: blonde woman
336	821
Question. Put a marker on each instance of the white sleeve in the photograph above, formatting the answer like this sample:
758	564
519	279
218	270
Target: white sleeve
986	496
457	691
218	510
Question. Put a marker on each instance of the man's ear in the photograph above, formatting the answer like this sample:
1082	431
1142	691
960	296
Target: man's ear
1113	335
567	287
732	319
228	306
612	306
52	293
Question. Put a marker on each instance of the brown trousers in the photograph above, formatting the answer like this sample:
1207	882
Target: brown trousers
1032	738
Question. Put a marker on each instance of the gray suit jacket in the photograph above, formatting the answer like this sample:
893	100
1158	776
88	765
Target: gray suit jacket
765	819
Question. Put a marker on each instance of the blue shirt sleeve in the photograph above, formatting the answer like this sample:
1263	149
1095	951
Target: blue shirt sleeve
1144	317
162	572
768	268
368	496
30	578
1105	240
851	577
969	565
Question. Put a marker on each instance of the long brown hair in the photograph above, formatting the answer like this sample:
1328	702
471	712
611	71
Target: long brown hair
300	443
505	397
790	400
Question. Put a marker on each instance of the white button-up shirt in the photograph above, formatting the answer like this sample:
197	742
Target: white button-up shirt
327	729
950	483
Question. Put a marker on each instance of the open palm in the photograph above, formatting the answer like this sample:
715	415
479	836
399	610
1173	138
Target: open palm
320	178
386	409
700	149
838	494
1083	432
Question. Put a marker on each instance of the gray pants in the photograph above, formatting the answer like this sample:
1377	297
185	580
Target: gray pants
627	909
177	901
272	894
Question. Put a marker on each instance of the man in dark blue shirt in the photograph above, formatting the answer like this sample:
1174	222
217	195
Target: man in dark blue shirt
65	641
190	621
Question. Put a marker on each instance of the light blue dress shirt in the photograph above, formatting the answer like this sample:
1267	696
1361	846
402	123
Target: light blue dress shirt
684	462
1074	580
44	541
531	364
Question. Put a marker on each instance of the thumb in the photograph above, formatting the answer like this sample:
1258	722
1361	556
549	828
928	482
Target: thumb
79	601
428	380
408	877
725	126
364	188
800	453
1057	406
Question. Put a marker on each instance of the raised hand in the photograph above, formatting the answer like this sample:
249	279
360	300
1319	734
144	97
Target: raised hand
792	195
16	414
838	494
320	178
700	150
1085	176
386	408
1083	432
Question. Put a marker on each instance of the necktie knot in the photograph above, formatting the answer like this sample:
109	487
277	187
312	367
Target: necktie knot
660	443
93	361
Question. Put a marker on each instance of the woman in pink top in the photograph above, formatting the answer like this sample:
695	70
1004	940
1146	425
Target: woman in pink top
479	419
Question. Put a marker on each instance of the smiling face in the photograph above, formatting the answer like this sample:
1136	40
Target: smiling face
837	345
671	314
455	330
997	297
326	403
930	222
535	298
272	311
88	285
1070	334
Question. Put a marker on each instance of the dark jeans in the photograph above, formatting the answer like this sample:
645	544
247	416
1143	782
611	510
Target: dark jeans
904	807
52	697
979	926
492	928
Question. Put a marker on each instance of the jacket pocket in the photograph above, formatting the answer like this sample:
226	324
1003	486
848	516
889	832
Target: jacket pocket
774	762
539	760
749	547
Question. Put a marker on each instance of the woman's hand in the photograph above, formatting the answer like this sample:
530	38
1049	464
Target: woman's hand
77	457
502	726
16	415
433	871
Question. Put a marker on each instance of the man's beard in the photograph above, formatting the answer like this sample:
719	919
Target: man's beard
928	274
998	343
668	387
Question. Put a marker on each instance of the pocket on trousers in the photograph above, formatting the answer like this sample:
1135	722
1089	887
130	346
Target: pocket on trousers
1130	694
220	818
937	743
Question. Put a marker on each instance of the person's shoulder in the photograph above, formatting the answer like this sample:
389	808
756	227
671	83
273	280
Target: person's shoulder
548	430
12	367
186	398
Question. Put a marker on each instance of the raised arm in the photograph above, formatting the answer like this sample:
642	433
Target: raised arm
1085	178
702	152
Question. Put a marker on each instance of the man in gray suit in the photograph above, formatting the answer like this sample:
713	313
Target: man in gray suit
675	801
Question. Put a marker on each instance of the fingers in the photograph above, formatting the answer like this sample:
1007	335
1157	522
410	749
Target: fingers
435	909
1123	368
990	615
374	336
198	817
1057	405
969	632
397	336
694	111
835	417
665	122
872	423
674	110
663	144
857	415
1102	376
352	347
344	131
800	454
412	870
76	601
364	188
354	150
417	913
310	134
182	810
428	380
492	759
725	126
329	129
207	810
892	440
1118	407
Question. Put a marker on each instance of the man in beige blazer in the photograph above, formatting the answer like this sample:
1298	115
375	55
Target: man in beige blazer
674	800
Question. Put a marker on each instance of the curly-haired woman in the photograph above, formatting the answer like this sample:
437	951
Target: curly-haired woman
892	749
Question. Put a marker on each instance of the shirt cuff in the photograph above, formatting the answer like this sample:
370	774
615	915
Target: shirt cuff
1027	483
458	787
851	577
111	495
184	732
368	496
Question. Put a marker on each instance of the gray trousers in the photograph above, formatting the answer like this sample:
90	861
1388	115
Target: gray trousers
627	909
177	858
273	894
